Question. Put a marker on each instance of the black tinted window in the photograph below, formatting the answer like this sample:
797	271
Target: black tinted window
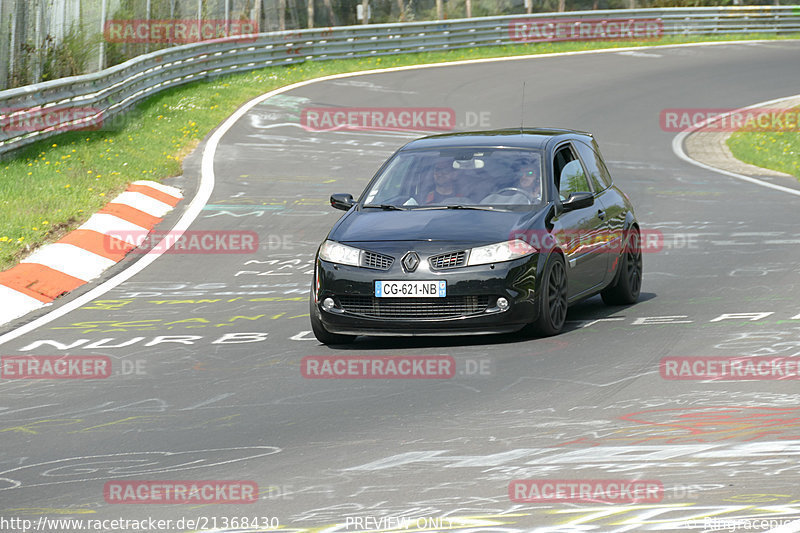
605	175
593	163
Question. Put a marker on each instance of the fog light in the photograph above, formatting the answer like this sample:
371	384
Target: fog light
328	304
502	304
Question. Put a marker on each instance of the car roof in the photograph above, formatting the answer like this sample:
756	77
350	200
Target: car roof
516	138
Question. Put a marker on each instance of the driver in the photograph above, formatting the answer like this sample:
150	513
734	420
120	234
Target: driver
444	179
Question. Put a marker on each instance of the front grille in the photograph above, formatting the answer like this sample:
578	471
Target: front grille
449	260
377	261
414	308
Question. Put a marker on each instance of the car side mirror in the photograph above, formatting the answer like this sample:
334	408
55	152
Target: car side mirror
342	201
578	200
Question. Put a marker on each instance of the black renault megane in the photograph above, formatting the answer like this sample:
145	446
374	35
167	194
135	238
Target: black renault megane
477	233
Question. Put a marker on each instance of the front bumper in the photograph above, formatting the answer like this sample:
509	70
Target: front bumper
470	307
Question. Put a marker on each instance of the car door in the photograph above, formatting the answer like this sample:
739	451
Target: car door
609	197
579	232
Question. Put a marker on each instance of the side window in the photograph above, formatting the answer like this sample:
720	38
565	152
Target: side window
593	163
571	177
605	175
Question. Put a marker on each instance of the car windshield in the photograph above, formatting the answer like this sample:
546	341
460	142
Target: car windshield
465	177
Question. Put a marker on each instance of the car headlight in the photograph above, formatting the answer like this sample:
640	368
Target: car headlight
335	252
498	252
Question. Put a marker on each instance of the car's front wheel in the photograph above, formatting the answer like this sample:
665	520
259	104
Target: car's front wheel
552	298
625	290
323	335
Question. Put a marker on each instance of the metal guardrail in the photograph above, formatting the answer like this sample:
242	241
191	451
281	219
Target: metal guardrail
36	112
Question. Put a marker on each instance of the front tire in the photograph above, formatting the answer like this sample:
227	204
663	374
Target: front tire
552	298
323	335
625	290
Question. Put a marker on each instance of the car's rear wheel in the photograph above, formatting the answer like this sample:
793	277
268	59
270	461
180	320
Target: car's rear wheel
625	290
323	335
552	298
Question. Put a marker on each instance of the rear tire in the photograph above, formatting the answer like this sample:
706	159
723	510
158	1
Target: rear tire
625	290
552	298
323	335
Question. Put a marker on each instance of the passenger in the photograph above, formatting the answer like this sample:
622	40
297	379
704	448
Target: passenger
530	181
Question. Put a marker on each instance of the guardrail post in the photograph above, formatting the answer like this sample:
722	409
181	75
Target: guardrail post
102	60
4	46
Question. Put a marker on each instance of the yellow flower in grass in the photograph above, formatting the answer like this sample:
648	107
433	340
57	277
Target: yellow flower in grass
44	222
3	238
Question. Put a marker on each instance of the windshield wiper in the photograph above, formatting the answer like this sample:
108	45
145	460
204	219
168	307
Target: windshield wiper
474	207
385	207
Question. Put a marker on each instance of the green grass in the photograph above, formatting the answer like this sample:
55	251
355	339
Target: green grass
776	150
53	186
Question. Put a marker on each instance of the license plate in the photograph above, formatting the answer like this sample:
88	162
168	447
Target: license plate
410	289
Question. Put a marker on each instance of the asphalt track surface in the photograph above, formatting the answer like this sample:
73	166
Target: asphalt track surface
226	401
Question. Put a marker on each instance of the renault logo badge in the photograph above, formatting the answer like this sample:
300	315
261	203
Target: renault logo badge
411	261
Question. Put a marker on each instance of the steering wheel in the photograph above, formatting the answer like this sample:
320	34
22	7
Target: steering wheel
528	196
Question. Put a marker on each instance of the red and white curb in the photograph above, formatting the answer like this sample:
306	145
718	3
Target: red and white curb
84	254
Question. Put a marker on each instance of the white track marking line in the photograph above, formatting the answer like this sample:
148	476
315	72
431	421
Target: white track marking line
677	148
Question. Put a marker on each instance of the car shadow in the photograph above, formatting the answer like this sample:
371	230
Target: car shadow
577	317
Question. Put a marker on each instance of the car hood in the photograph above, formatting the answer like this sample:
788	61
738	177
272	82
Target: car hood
446	225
